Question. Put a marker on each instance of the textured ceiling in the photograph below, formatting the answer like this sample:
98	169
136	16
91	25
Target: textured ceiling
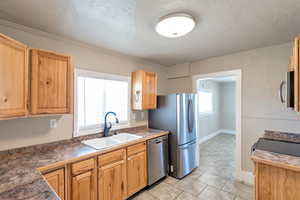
128	26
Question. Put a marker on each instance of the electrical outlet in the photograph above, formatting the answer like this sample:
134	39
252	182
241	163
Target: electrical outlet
133	116
53	123
143	115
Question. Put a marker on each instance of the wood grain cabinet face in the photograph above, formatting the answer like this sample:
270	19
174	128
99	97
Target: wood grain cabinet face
275	183
83	187
144	90
57	181
13	78
150	90
51	83
84	180
136	172
112	176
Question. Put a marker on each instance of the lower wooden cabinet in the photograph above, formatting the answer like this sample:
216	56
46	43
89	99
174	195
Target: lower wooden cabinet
136	172
116	175
83	187
84	180
276	183
112	176
57	181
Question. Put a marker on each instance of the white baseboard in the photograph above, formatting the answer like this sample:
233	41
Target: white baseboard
228	131
246	177
202	140
231	132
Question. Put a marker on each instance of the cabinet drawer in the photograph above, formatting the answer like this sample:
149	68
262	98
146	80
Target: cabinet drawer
136	148
83	166
111	157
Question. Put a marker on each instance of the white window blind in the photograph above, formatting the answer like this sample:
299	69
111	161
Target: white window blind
97	94
205	101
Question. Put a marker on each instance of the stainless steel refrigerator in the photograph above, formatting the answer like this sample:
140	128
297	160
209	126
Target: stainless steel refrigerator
177	114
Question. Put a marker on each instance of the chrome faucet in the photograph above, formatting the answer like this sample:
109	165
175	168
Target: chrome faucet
106	127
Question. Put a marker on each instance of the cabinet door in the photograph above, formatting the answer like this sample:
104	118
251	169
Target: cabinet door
51	83
136	172
112	179
83	186
13	78
149	90
144	90
57	181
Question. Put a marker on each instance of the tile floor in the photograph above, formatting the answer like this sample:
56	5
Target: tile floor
214	180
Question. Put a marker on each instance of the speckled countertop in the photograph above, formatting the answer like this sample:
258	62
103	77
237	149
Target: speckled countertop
19	174
277	159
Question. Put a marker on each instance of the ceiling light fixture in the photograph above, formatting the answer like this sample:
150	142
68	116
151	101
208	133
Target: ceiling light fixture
175	25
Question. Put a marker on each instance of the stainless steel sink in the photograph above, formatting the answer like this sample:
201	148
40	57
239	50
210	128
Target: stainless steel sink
107	142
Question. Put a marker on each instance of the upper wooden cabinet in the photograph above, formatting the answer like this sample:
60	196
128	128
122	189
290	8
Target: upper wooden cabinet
57	181
48	76
13	78
144	90
51	83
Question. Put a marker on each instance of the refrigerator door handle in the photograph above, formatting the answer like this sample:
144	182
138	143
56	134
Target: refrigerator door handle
190	116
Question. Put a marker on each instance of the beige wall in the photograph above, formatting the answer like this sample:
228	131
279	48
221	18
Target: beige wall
262	71
211	120
23	132
227	105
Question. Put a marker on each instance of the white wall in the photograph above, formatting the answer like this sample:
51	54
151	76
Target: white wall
262	71
210	123
23	132
227	105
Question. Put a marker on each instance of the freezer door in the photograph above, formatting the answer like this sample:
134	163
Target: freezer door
186	129
186	159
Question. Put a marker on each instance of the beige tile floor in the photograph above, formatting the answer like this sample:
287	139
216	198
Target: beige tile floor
214	180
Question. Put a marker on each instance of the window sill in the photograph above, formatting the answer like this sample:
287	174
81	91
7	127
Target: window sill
114	127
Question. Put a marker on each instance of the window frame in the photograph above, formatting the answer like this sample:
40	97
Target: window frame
203	114
98	75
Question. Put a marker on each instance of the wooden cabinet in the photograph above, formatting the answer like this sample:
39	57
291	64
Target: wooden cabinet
51	83
112	176
48	76
144	90
295	66
136	168
13	78
84	180
276	182
57	181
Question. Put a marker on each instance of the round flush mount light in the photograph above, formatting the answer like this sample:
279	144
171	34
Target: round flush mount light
175	25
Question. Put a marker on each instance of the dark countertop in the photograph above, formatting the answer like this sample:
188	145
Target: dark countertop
19	174
277	159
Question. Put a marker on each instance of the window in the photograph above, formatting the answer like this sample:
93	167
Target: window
96	94
205	102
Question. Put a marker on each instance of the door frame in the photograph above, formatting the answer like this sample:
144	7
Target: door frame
238	147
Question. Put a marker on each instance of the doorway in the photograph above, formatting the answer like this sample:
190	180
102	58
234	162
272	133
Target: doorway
219	122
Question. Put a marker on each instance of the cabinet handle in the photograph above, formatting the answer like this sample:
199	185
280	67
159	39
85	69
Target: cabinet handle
5	100
122	186
280	91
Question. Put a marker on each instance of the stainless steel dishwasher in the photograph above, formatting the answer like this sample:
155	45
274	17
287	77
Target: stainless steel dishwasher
158	159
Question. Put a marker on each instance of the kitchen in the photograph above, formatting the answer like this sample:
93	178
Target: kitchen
263	61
